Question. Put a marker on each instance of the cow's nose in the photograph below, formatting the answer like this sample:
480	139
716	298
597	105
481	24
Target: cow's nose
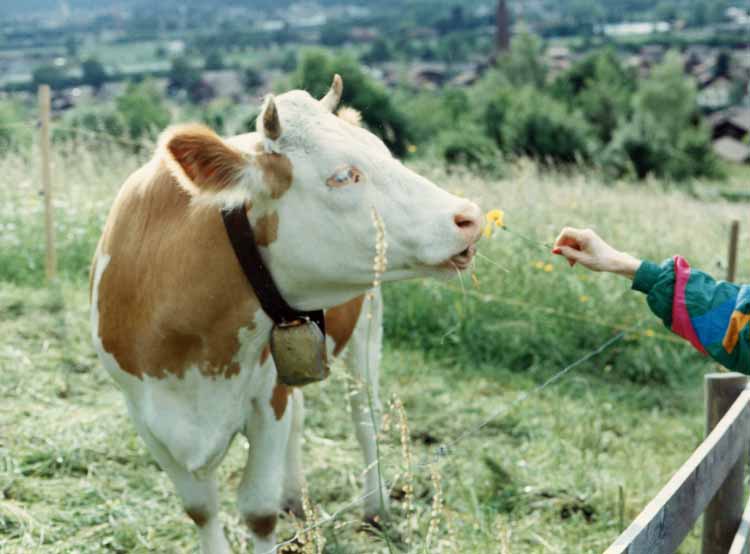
469	222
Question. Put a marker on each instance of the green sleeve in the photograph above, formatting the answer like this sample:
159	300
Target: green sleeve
714	316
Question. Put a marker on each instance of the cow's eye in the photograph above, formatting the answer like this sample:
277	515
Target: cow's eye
344	176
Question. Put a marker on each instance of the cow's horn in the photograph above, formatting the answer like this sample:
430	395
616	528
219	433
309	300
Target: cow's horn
332	98
271	123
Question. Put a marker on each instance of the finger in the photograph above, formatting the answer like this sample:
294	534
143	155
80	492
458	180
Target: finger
573	255
570	236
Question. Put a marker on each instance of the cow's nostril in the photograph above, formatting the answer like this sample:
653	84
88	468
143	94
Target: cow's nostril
463	221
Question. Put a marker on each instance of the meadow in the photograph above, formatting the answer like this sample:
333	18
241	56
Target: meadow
564	471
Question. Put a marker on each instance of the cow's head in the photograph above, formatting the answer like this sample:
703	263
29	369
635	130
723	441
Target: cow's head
314	181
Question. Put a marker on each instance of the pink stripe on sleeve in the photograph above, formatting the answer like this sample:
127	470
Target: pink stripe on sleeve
681	323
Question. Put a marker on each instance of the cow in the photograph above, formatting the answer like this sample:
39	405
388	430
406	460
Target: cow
181	331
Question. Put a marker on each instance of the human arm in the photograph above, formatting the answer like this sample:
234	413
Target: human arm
714	316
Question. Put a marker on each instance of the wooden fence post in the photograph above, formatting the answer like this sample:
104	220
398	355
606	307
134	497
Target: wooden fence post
724	513
44	142
734	235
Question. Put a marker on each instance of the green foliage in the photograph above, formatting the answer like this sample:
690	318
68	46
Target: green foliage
663	137
601	88
251	78
15	131
214	61
94	73
184	76
49	74
81	123
380	51
143	110
526	122
524	64
379	113
467	146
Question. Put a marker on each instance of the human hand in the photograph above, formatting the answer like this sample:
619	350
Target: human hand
584	246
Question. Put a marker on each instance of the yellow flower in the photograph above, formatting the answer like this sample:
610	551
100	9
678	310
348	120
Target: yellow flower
583	298
488	230
549	268
539	265
475	279
649	333
496	217
411	148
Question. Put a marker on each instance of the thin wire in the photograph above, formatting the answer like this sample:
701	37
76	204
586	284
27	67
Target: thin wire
444	449
486	297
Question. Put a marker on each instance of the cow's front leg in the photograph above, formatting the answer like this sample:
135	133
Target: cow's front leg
199	495
294	478
259	494
363	363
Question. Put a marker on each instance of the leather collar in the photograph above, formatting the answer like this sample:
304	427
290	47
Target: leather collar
248	255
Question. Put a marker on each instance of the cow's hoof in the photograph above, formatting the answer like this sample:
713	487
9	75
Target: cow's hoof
294	507
373	522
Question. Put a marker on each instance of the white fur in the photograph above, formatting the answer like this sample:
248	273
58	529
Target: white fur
323	256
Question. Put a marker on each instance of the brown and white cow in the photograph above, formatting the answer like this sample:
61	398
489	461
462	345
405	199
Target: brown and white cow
178	327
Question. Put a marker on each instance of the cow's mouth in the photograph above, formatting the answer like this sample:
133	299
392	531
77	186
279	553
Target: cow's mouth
463	259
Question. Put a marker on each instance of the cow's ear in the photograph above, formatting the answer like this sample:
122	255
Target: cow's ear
202	162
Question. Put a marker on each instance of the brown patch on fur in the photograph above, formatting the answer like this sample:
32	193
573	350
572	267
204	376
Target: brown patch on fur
279	399
198	515
266	229
173	295
277	171
265	354
340	322
261	526
209	162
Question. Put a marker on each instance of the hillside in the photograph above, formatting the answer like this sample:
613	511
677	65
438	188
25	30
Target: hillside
559	472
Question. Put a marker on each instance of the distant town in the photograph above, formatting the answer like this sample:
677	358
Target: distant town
89	53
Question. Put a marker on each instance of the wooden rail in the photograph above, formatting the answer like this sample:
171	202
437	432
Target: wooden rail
742	538
668	518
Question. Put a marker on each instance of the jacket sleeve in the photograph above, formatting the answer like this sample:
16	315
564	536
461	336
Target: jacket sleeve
714	316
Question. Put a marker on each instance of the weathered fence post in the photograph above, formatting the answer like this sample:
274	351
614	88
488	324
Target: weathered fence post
44	109
734	235
724	513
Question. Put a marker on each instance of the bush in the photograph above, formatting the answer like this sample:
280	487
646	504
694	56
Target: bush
15	132
143	111
526	122
663	137
467	146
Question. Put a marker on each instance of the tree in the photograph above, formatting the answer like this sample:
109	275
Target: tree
380	51
94	73
71	46
51	75
182	75
524	64
214	61
251	78
663	137
601	88
143	110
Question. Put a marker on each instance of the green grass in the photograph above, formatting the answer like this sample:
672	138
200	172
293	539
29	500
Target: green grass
545	477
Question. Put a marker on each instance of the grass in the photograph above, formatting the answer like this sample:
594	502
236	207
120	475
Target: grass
561	472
